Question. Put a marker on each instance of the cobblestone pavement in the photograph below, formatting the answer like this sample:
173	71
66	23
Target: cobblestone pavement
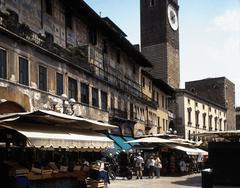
188	181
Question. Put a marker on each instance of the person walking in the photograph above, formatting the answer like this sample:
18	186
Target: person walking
150	165
139	165
158	166
183	166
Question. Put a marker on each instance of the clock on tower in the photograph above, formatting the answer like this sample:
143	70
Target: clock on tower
160	38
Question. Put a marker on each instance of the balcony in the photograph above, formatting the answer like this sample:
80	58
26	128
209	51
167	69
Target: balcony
119	114
119	82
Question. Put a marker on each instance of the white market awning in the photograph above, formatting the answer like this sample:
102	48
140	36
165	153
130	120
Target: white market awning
55	137
52	129
68	140
188	150
150	140
54	118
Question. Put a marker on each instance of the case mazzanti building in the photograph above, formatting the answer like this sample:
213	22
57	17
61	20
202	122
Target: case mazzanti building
54	51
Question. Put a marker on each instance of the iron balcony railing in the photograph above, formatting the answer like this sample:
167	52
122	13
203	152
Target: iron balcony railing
117	113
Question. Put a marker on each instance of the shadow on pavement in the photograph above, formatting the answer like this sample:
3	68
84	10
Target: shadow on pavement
190	181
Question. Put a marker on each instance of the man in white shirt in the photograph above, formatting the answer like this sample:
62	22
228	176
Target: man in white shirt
139	165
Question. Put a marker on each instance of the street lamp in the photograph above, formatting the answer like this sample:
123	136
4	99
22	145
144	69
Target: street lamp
66	103
72	101
171	131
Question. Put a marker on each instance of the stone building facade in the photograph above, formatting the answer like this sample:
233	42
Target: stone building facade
53	51
198	115
219	90
160	92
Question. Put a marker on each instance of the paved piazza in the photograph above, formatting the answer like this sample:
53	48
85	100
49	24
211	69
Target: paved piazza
188	181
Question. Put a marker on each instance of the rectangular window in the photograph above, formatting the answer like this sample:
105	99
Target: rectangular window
153	95
42	78
204	120
68	18
59	79
93	36
118	56
104	100
143	82
150	86
157	98
164	128
84	93
95	101
163	102
3	64
134	69
23	71
189	117
151	3
197	118
48	4
112	102
72	88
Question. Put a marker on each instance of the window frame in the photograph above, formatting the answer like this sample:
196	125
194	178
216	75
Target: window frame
49	7
95	99
3	66
57	83
104	95
152	3
72	91
25	75
93	35
42	82
69	19
84	96
143	82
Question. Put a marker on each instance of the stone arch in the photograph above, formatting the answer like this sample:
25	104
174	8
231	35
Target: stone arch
13	94
10	107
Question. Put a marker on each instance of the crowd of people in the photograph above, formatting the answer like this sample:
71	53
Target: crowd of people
152	165
149	166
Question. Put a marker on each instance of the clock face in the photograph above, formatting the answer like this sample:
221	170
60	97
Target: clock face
172	17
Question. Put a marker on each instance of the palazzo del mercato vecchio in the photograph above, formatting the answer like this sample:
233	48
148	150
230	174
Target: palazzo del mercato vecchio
62	56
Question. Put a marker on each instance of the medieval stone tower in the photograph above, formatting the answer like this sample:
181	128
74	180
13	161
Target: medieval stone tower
160	38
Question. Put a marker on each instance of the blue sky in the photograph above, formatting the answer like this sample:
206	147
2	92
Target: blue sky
209	35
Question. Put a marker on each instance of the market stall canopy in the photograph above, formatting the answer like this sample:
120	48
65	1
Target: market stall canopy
68	140
55	137
183	141
229	135
51	129
53	118
150	140
120	142
188	150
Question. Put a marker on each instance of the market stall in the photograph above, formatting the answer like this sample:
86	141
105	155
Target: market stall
171	152
50	149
